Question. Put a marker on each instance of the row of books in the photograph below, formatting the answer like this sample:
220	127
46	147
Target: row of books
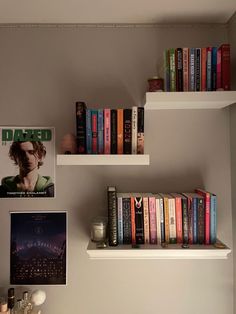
146	218
197	69
109	131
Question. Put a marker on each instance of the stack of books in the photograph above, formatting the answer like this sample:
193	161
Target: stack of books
197	69
146	218
109	131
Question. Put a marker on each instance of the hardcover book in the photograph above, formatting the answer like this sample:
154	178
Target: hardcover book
225	66
213	219
140	133
179	75
139	221
81	127
167	70
198	69
126	205
112	216
146	219
172	70
100	132
153	220
214	68
120	217
127	131
166	216
192	70
88	131
203	69
134	129
179	220
209	69
120	131
107	131
94	122
207	201
113	131
185	69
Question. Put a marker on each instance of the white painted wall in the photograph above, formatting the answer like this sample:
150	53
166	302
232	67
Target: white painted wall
43	72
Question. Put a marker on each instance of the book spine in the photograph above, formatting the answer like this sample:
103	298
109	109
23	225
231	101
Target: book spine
120	123
218	70
195	219
107	131
172	220
190	221
140	131
133	227
166	217
88	131
178	212
201	220
185	69
184	202
127	131
207	199
139	222
112	217
94	118
162	218
146	220
167	70
153	220
225	62
126	205
209	77
120	219
214	68
198	69
203	69
80	107
179	76
172	70
134	129
113	131
100	132
213	219
158	220
192	72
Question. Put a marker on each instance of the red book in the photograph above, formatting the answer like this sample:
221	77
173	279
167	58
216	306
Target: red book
133	227
94	118
178	215
185	69
203	69
153	220
107	131
225	66
120	122
207	199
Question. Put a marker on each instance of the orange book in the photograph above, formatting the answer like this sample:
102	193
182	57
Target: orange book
133	229
203	69
120	123
178	215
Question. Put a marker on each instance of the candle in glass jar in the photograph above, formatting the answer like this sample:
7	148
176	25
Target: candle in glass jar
99	229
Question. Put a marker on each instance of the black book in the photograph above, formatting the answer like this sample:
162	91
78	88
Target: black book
185	219
140	133
113	131
139	221
179	74
201	220
112	216
81	127
198	69
127	131
126	207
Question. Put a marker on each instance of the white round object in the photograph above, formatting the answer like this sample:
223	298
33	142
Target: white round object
38	297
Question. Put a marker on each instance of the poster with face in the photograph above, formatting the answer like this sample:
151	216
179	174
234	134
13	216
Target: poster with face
38	251
27	162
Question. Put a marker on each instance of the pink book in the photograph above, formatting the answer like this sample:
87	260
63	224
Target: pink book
218	70
178	215
146	220
207	199
107	131
152	219
203	69
185	69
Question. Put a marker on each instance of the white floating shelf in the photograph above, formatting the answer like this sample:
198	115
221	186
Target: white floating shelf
189	100
173	251
103	160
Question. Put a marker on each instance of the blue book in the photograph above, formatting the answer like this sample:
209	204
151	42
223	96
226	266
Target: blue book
208	72
88	132
100	132
195	219
120	218
213	219
192	69
213	67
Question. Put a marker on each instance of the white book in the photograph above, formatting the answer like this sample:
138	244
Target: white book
134	129
158	217
172	220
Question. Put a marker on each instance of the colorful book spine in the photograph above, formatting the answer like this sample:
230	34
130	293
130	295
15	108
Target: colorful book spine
146	220
225	66
140	131
80	107
172	220
166	216
203	69
94	119
172	70
112	216
178	215
162	217
100	132
201	220
192	71
134	129
126	205
139	221
153	220
133	227
127	131
214	68
190	217
185	69
179	74
120	218
167	70
218	71
184	202
207	198
158	217
213	219
88	132
198	69
107	131
120	123
195	218
113	131
209	65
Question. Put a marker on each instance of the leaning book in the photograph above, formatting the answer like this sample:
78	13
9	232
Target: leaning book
27	158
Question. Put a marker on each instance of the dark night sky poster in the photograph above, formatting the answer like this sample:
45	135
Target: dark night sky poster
38	248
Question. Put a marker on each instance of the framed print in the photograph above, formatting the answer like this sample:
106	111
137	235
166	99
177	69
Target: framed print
38	248
27	162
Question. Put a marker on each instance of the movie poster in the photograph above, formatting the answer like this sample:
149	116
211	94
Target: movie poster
38	248
27	162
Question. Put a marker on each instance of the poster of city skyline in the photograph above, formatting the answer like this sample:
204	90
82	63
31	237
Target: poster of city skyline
38	248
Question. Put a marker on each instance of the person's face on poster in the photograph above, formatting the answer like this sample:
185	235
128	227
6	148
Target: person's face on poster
28	158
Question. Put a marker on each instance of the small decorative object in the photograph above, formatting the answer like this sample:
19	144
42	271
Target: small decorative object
99	229
68	144
155	84
38	297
